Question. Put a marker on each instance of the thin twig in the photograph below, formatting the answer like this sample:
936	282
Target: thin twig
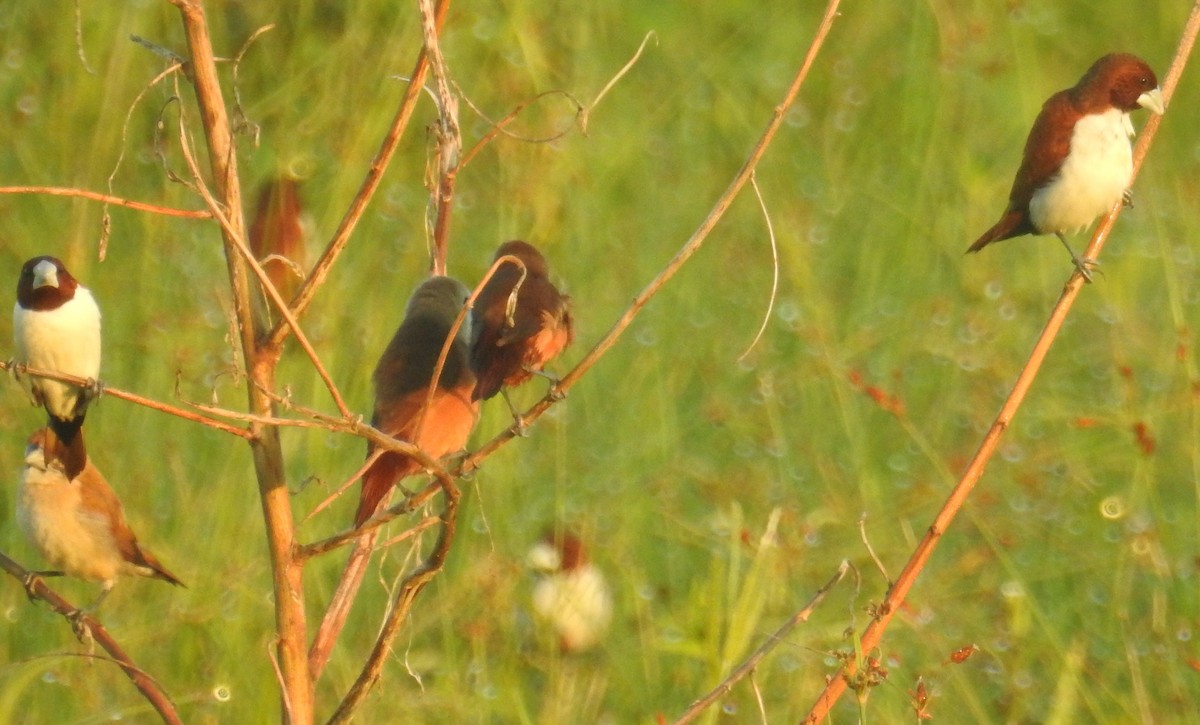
747	667
585	114
107	199
762	204
448	138
151	690
692	245
899	590
862	530
21	369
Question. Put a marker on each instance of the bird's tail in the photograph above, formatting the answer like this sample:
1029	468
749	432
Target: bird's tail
66	445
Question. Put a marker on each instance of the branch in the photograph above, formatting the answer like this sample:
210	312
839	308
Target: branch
449	139
296	695
107	199
974	471
154	694
751	663
21	369
369	186
693	244
409	589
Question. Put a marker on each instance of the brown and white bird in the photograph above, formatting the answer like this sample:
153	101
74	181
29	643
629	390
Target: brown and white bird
571	595
403	378
78	524
1078	160
513	341
56	327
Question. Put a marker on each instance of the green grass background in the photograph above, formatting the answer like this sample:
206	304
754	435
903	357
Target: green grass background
1073	568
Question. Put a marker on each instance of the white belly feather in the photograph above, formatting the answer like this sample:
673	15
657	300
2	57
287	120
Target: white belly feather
66	340
1092	179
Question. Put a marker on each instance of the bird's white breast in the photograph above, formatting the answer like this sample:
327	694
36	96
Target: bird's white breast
50	512
1093	177
66	340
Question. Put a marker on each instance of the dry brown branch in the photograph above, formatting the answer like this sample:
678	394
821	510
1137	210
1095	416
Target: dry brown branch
899	590
747	668
107	199
557	391
151	690
296	696
366	192
448	139
409	589
20	369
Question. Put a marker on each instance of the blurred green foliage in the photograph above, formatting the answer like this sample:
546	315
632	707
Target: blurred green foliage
1074	568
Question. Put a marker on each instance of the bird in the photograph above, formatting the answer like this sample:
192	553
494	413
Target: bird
403	378
512	340
77	523
1078	160
571	595
56	327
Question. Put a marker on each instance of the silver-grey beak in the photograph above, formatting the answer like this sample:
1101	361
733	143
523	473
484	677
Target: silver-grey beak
1152	100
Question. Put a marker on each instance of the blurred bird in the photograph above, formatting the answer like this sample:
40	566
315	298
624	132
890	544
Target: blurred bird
277	234
571	594
402	381
78	524
512	341
56	327
1078	161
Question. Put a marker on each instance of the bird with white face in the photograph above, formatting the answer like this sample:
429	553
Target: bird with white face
77	523
56	327
571	594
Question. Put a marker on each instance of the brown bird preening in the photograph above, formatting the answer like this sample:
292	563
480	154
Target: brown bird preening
78	524
403	377
513	339
403	381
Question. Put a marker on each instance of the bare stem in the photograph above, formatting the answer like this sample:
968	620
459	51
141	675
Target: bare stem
296	694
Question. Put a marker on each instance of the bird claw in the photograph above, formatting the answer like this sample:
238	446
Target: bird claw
1127	198
93	388
556	392
79	625
519	428
33	578
1086	267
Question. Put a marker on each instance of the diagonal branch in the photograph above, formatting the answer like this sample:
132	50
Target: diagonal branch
365	193
974	471
692	245
107	199
151	690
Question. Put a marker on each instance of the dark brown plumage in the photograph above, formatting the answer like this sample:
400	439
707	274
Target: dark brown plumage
1077	162
402	379
505	350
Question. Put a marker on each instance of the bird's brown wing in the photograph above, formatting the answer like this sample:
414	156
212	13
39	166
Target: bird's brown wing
96	496
1045	150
